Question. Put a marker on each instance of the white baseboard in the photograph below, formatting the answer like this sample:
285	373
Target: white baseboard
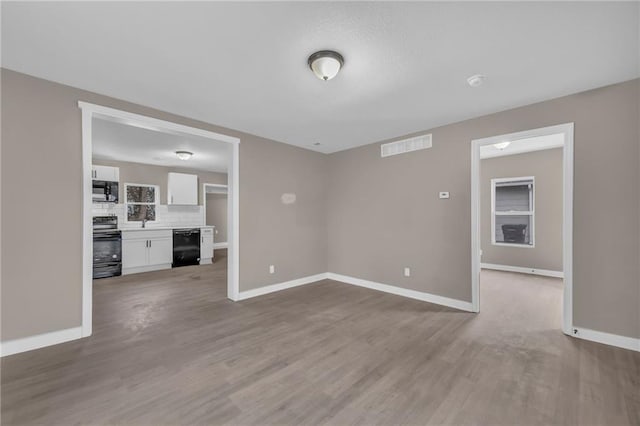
522	270
243	295
217	246
412	294
24	344
607	338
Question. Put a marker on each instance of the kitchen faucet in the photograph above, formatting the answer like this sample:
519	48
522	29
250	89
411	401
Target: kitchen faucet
144	222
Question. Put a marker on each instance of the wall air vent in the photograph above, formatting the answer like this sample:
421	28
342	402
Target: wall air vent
405	145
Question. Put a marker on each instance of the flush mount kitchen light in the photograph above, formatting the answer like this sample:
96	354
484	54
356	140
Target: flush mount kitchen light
476	80
501	145
325	64
184	155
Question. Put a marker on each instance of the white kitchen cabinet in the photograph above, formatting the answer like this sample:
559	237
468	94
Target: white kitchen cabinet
146	250
160	251
206	245
134	254
107	173
183	189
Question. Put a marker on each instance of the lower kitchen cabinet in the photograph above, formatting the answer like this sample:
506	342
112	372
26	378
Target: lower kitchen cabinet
146	250
206	245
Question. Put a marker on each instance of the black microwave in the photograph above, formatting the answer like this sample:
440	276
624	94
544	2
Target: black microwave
105	191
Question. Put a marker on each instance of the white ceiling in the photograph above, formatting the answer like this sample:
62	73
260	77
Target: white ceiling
243	65
123	142
521	146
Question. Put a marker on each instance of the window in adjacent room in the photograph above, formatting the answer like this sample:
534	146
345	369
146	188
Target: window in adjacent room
141	201
512	211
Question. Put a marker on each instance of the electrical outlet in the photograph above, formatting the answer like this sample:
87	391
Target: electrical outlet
407	272
215	230
272	269
443	195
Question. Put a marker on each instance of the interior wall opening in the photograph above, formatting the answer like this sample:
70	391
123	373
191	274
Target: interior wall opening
145	194
521	227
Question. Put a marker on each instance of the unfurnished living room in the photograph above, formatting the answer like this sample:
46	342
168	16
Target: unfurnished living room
336	213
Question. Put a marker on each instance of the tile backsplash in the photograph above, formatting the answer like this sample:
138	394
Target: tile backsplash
166	216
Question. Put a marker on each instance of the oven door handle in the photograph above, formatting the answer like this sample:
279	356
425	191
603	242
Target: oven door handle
114	237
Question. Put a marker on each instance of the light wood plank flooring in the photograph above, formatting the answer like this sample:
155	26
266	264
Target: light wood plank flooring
169	348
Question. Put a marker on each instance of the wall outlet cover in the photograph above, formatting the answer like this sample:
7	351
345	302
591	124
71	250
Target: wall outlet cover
272	269
407	272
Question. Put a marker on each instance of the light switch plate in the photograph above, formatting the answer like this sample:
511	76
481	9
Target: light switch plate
443	195
407	272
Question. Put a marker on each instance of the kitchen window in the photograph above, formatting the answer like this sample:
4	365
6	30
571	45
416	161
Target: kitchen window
141	201
512	211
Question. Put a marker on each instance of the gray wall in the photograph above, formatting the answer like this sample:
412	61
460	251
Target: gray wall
150	174
216	215
356	214
384	214
546	166
41	166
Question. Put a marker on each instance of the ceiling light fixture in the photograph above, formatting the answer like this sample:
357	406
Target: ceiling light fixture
501	145
184	155
476	80
325	64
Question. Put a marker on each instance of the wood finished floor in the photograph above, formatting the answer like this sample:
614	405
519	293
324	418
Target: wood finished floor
169	348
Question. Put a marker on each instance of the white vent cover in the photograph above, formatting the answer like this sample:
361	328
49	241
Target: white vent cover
405	145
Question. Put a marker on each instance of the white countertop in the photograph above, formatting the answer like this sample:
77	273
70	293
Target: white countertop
163	228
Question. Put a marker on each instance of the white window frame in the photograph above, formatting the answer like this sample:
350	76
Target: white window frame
531	212
156	202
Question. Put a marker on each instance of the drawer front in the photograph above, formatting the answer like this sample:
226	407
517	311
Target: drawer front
146	234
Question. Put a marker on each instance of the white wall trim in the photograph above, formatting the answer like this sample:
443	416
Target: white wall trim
24	344
243	295
523	270
218	246
567	213
150	123
399	291
607	338
87	234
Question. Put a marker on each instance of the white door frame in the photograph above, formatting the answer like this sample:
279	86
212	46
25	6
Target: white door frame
567	213
89	111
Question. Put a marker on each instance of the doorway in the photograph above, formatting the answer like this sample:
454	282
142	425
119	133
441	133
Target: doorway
91	112
215	202
516	233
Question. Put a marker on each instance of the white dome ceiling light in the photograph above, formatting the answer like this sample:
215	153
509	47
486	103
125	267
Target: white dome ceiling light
325	64
501	145
184	155
476	80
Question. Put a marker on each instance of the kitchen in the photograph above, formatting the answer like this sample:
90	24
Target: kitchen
149	199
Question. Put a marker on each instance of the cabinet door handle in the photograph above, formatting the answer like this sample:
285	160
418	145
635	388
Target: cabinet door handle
149	243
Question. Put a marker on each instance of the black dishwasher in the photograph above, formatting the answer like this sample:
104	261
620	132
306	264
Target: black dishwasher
186	247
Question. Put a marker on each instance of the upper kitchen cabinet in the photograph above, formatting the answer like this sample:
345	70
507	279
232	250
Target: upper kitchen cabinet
107	173
183	189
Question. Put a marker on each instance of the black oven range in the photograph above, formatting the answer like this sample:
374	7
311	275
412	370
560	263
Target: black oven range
107	247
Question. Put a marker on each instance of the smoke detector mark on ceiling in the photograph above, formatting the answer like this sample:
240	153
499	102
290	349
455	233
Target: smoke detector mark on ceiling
476	80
